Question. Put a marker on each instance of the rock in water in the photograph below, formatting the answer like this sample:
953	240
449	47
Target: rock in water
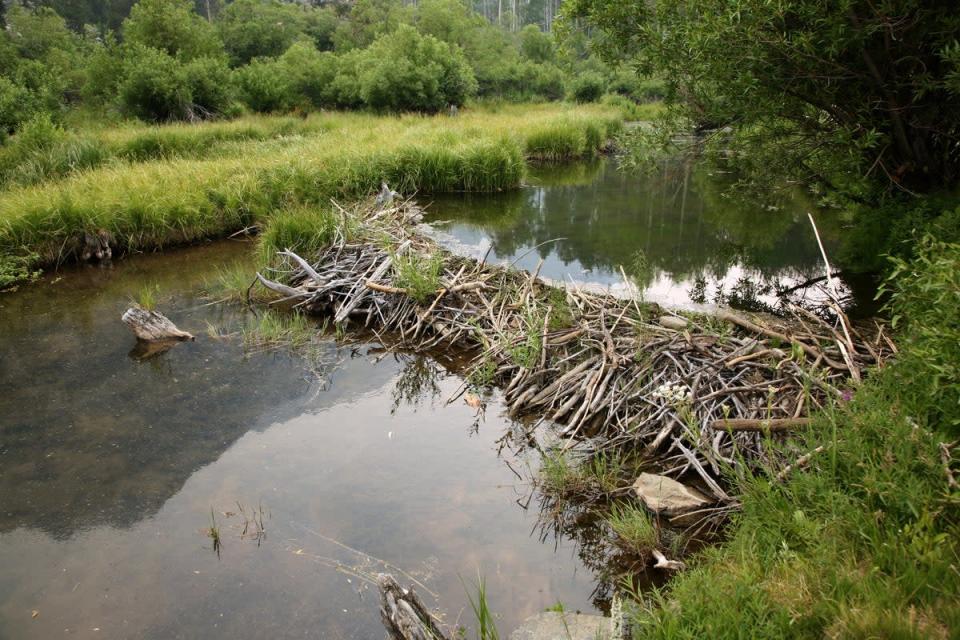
555	625
666	496
152	326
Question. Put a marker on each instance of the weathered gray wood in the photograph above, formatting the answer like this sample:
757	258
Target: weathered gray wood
403	614
152	326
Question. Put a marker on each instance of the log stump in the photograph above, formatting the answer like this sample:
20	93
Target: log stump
153	326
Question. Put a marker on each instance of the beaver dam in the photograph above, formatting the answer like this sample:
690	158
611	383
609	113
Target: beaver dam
703	395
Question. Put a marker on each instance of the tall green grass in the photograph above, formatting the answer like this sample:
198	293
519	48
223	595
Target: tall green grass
26	161
154	204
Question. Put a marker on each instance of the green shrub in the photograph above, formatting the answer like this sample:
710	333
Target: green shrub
535	45
210	84
264	87
544	81
345	89
259	28
310	74
171	26
406	71
587	87
925	304
154	85
894	229
17	104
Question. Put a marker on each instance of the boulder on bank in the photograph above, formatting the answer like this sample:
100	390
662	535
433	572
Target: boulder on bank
665	496
555	625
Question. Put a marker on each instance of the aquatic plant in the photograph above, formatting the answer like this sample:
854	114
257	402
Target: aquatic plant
214	534
633	527
147	296
482	614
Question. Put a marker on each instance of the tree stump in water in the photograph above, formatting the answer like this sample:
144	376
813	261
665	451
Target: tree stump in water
403	614
96	246
152	326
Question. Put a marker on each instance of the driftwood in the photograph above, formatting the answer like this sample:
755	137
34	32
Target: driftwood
403	613
153	326
699	398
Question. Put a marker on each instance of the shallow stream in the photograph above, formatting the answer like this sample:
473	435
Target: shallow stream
114	468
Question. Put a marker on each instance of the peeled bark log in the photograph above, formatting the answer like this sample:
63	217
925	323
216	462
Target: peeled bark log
152	326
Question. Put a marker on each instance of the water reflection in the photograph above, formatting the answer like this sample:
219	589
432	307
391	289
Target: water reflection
666	230
110	469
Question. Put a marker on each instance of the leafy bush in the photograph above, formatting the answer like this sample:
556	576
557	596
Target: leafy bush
925	304
536	45
103	72
894	229
263	86
17	104
587	87
345	89
171	26
154	85
544	81
407	71
210	85
259	28
310	74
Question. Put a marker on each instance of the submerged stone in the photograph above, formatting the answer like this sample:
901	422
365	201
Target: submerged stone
555	625
666	496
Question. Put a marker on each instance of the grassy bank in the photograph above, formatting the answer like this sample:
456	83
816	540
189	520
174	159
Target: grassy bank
178	198
863	542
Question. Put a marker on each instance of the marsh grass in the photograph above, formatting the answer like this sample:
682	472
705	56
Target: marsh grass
24	162
273	329
634	528
232	283
419	275
180	199
563	475
147	295
301	230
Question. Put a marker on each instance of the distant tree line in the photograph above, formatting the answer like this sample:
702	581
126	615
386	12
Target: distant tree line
193	59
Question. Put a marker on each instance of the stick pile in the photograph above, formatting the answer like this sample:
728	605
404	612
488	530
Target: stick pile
699	393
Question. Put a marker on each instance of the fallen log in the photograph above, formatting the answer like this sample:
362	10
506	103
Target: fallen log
403	613
771	425
152	326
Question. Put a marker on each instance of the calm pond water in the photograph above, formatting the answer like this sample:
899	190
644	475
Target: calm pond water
110	467
677	234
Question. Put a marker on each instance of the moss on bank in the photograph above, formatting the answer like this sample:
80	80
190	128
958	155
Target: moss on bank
183	198
865	541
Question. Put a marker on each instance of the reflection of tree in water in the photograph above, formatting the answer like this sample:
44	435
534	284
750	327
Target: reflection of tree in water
419	378
685	220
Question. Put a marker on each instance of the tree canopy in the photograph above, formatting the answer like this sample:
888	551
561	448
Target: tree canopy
836	91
